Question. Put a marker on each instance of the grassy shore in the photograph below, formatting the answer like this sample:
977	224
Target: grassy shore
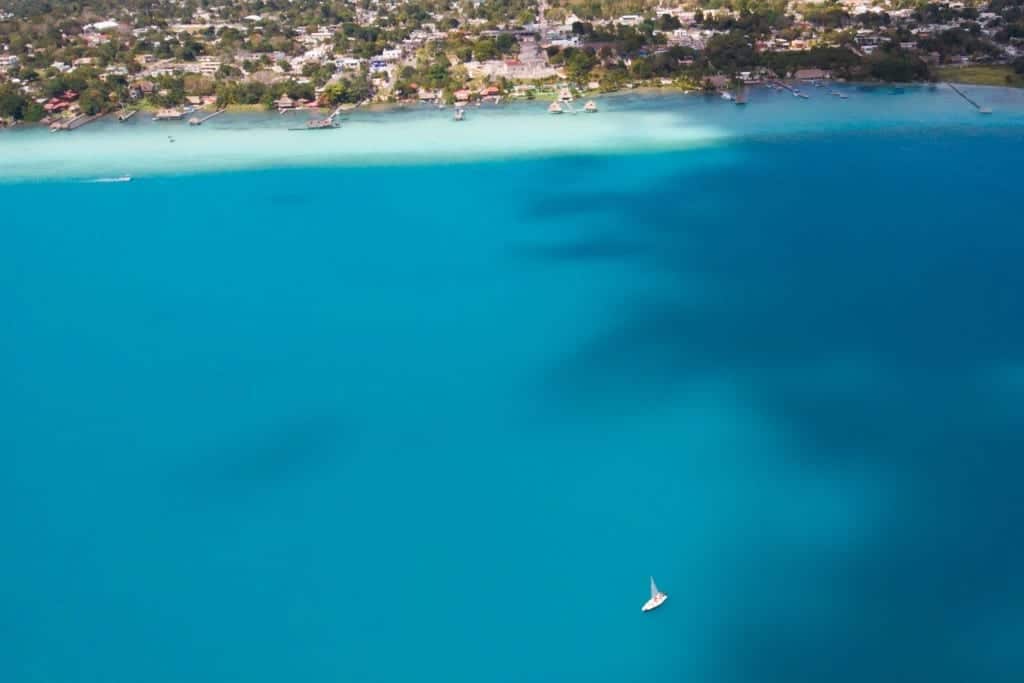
997	74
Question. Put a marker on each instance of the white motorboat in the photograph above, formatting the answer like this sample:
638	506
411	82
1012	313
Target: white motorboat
555	108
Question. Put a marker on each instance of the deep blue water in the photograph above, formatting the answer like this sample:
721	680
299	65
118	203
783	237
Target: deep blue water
442	422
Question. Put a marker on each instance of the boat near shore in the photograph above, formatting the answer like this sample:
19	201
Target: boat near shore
555	108
590	107
116	179
169	115
321	124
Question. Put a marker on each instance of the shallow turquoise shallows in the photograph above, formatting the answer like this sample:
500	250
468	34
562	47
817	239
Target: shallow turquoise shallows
284	409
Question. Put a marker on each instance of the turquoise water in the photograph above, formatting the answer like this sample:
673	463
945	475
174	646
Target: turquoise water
440	421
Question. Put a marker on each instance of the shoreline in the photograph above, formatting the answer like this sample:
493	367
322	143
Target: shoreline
648	89
637	120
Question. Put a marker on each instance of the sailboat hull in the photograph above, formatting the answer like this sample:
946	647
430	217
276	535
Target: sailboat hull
655	602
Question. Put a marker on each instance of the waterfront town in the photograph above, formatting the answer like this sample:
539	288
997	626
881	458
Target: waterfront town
62	62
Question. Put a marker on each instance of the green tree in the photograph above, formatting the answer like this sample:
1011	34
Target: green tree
505	43
92	101
12	104
484	49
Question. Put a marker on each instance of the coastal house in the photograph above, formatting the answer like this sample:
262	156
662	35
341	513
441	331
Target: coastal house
284	103
462	95
100	26
60	103
140	89
208	65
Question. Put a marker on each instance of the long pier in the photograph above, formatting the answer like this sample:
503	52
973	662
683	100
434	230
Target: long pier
197	121
958	91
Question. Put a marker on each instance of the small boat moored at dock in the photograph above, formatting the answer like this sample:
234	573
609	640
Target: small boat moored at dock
169	115
320	124
460	114
590	107
657	598
555	108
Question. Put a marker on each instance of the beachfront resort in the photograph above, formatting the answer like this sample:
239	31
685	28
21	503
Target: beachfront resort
65	65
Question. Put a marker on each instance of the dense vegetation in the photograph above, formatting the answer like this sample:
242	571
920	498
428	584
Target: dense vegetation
256	54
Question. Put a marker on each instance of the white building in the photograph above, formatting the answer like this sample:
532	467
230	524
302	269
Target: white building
100	26
348	63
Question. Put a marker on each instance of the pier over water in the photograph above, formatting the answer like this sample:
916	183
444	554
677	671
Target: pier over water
961	93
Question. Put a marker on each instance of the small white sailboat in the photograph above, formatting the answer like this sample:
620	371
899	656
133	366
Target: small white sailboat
657	598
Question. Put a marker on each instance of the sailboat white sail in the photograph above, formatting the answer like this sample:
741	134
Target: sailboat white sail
657	598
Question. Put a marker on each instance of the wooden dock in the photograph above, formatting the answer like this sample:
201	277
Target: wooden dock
198	121
961	93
